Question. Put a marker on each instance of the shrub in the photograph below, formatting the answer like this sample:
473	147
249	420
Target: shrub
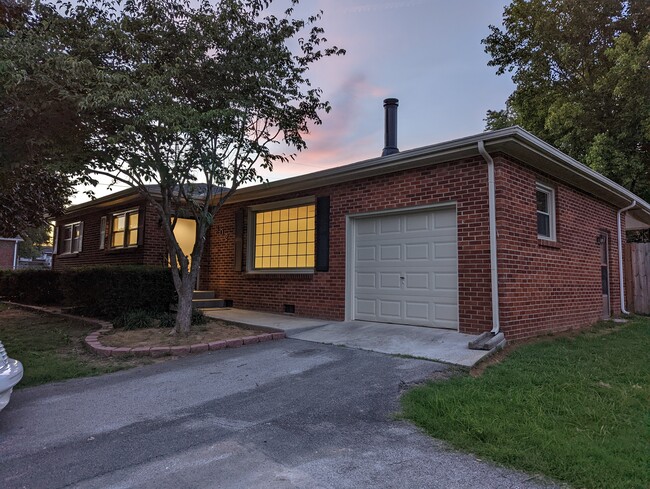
112	291
198	317
136	319
166	320
31	286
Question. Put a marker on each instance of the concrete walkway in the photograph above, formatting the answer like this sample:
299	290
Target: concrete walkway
396	339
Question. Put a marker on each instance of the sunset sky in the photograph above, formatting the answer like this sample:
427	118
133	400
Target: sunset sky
426	53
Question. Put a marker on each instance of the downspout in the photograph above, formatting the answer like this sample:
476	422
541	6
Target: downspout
15	254
619	233
493	238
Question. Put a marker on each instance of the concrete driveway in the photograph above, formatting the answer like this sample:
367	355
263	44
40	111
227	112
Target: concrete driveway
282	414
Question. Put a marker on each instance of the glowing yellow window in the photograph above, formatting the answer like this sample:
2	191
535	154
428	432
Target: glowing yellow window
124	229
284	238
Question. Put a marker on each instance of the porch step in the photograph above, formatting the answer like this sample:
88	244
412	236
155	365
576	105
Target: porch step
208	303
203	294
488	341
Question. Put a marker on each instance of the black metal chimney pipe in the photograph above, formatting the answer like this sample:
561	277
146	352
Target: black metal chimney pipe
390	127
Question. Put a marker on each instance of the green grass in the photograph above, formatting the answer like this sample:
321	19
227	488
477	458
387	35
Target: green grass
51	348
576	409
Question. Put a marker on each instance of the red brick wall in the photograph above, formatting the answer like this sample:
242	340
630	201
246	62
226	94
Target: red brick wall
548	287
322	294
151	252
542	288
7	249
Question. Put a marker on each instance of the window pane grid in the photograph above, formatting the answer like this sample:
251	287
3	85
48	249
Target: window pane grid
284	238
124	230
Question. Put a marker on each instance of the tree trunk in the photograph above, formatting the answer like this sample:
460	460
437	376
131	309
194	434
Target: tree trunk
184	313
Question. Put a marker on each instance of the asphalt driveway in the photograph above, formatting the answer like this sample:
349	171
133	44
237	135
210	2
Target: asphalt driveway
282	414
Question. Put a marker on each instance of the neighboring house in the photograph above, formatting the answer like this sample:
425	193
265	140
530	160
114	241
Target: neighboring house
9	253
494	231
42	261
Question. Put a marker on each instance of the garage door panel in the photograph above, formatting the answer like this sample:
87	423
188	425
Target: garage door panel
390	309
448	312
390	252
406	269
367	307
390	225
445	220
416	280
420	311
366	280
366	253
417	251
389	280
366	227
446	281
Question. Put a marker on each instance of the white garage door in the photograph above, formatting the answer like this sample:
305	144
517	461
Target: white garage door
406	269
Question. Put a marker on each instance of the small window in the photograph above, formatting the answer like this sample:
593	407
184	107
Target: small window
72	237
545	212
284	238
124	229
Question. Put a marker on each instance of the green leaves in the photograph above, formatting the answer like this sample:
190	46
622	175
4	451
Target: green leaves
581	71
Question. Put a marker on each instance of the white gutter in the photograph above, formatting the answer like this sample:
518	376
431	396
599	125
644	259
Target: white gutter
493	238
620	253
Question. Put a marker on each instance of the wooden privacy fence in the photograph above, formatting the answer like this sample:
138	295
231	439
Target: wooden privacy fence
636	259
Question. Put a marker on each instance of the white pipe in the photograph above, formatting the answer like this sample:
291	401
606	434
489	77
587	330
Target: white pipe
493	238
619	233
15	254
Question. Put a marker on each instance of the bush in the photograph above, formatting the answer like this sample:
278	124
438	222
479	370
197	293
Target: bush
198	317
136	319
31	286
166	320
111	291
107	291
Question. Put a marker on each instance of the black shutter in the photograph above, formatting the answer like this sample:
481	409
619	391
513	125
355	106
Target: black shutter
239	240
322	234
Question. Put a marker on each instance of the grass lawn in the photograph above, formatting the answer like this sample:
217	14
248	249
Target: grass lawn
574	408
51	348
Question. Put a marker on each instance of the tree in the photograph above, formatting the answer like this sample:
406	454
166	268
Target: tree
175	91
43	141
582	72
34	239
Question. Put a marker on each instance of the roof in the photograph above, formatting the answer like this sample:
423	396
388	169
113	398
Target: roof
513	141
132	194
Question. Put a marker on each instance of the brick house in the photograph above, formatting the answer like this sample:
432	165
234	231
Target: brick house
497	231
9	253
117	229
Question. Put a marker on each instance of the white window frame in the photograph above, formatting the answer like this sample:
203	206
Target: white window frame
126	214
102	232
550	192
251	225
71	240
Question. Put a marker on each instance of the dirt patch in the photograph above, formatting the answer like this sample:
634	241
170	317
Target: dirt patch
204	333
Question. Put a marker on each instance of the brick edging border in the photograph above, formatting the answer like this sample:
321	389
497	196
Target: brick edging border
93	344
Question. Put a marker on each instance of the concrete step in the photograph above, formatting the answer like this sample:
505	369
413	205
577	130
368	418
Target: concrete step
208	303
203	294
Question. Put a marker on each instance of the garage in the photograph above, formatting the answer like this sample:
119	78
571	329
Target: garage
403	267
